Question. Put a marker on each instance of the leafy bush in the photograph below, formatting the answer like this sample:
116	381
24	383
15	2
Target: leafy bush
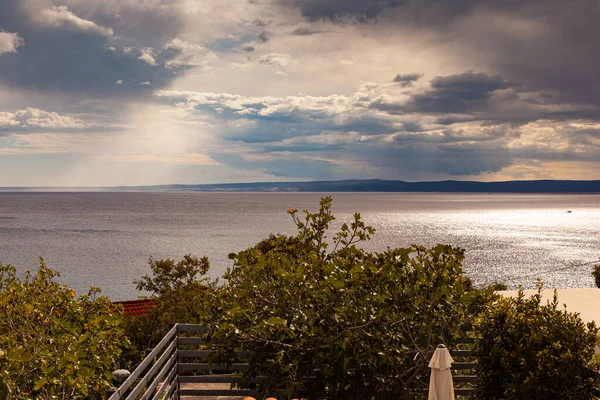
530	350
362	325
179	290
498	286
54	345
596	275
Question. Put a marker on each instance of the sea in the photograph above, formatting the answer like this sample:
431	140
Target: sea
106	239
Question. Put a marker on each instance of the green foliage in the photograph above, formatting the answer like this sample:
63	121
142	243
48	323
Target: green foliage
54	345
364	325
179	289
596	275
498	286
530	350
168	276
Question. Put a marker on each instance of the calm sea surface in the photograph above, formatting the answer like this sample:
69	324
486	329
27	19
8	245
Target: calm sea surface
105	239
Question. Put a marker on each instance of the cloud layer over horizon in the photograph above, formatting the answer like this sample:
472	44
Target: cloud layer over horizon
132	92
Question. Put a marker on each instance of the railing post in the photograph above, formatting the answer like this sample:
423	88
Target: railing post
177	360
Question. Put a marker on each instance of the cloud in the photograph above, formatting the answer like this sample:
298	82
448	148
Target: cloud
467	124
186	54
457	93
336	9
60	17
454	94
36	118
148	55
77	47
264	37
481	87
277	59
305	31
9	42
406	80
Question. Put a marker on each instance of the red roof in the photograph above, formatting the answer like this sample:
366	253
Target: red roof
137	308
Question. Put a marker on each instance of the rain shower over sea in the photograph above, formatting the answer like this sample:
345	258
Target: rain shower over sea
105	239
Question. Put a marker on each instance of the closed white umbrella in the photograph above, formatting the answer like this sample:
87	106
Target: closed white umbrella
440	383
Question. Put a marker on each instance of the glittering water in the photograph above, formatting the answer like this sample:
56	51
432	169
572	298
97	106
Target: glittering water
105	239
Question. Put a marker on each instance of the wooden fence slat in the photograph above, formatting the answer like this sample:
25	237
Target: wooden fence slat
464	378
465	365
217	392
150	374
190	340
207	353
163	371
166	384
138	371
212	367
462	353
191	328
219	379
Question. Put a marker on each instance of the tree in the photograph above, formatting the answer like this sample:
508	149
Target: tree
530	350
179	289
53	344
596	275
168	276
345	324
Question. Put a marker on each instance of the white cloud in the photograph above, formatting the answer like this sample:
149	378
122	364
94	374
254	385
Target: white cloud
278	59
148	55
61	17
147	83
39	119
188	54
298	106
119	82
9	42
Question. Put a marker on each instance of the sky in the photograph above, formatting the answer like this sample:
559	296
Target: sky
144	92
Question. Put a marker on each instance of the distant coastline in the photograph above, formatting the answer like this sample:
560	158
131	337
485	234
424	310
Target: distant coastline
369	185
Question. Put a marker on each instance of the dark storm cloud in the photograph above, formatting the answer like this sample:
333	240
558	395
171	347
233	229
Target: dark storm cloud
548	45
462	93
363	10
406	80
63	56
305	31
457	93
264	37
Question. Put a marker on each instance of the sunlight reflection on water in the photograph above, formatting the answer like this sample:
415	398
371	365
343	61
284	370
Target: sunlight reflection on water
104	239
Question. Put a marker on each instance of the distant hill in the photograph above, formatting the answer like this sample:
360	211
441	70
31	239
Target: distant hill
371	185
378	185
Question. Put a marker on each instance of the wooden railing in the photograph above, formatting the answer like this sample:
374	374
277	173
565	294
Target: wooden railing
465	375
164	373
162	376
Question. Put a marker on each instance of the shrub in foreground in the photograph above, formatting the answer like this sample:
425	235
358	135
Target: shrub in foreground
596	275
530	350
54	345
179	289
362	325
